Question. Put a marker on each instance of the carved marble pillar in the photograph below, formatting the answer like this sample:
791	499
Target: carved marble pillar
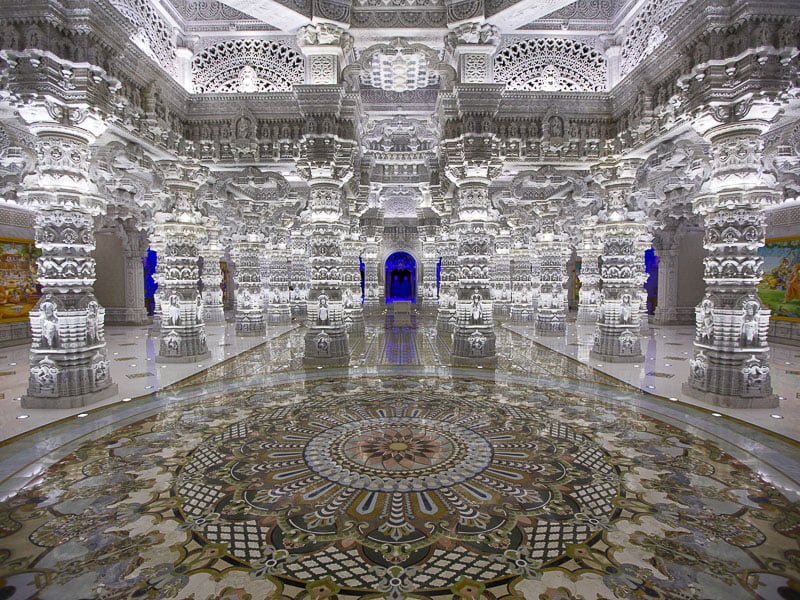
473	334
553	254
501	275
730	366
212	252
521	306
430	259
157	246
299	276
373	299
589	252
69	363
351	283
326	341
134	250
181	227
448	287
248	249
263	266
279	311
536	279
617	337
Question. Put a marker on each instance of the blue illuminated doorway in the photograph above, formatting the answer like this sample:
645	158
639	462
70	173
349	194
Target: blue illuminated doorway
401	278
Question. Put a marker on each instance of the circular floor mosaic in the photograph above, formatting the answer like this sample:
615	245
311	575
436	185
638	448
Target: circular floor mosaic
399	488
420	482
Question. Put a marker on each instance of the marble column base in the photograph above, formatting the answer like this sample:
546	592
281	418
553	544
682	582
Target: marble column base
69	401
354	321
429	308
586	315
521	314
126	316
326	347
279	315
770	401
551	326
184	359
614	358
473	347
214	314
445	323
250	327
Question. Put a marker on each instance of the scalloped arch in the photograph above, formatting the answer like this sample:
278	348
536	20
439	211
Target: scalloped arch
246	65
552	65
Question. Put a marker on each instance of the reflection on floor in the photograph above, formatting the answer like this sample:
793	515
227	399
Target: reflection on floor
667	350
400	479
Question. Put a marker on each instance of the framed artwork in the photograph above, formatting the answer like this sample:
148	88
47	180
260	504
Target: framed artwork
19	290
779	289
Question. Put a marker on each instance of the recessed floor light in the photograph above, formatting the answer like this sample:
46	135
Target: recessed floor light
673	399
773	416
667	364
82	415
716	415
26	416
781	398
651	387
126	399
149	387
635	366
12	364
319	367
480	367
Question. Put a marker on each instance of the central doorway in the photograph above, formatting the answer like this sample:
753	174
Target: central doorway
401	278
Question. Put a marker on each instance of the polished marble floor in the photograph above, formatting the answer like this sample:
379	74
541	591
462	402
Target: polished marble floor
397	478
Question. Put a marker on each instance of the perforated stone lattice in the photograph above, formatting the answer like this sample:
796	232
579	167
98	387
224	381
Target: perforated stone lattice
223	68
551	64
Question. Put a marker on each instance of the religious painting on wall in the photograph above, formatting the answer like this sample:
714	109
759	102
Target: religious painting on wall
779	289
19	291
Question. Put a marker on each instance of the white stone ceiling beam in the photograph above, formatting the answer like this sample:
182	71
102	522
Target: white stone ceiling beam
271	12
516	15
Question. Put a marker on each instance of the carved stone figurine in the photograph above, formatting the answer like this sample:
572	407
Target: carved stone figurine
174	310
200	309
625	309
91	323
707	321
322	310
49	324
749	333
476	310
